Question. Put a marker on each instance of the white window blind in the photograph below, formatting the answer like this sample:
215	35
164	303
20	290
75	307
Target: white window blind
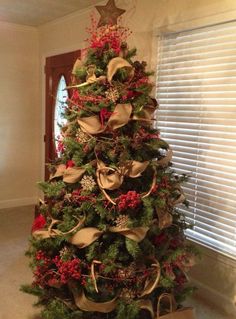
196	90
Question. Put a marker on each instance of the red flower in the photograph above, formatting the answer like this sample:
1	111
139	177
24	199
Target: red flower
70	163
38	223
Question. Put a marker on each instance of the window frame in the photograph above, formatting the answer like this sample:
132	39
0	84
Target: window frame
188	26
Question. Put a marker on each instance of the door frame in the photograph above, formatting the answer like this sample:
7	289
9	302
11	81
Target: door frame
53	67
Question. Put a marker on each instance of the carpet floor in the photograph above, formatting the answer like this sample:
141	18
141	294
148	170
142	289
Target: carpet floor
15	224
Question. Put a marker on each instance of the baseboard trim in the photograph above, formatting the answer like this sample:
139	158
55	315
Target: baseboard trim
17	202
214	297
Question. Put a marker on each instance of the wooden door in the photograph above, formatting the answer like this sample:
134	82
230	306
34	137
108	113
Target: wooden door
57	67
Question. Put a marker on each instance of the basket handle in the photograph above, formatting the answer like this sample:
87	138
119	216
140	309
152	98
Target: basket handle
171	302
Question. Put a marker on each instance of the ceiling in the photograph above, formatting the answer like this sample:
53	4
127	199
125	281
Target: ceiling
38	12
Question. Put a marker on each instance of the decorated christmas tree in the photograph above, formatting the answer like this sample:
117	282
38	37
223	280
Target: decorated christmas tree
109	239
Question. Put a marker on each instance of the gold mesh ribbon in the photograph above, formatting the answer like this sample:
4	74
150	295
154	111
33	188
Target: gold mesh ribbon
69	174
120	117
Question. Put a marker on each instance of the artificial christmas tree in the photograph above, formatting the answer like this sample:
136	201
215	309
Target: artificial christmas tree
109	240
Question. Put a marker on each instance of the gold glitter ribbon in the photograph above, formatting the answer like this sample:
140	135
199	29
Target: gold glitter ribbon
120	117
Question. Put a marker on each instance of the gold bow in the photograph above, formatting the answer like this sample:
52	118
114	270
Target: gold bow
120	117
86	236
111	178
70	174
113	66
117	63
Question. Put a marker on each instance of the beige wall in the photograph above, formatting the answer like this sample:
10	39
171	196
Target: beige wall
22	55
20	115
215	275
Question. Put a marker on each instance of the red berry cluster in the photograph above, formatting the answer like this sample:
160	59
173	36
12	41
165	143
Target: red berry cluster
130	200
78	198
70	269
107	37
44	270
55	270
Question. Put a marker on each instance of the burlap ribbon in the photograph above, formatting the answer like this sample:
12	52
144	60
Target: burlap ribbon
180	199
51	232
117	63
165	219
111	178
69	174
113	66
146	115
85	304
166	159
151	284
77	65
86	236
90	78
93	276
120	117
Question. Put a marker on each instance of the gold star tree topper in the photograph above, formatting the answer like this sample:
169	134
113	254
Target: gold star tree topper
109	13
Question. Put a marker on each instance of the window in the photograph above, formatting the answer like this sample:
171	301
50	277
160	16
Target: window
59	121
196	90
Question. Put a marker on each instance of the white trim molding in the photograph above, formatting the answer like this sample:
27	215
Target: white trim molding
17	202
